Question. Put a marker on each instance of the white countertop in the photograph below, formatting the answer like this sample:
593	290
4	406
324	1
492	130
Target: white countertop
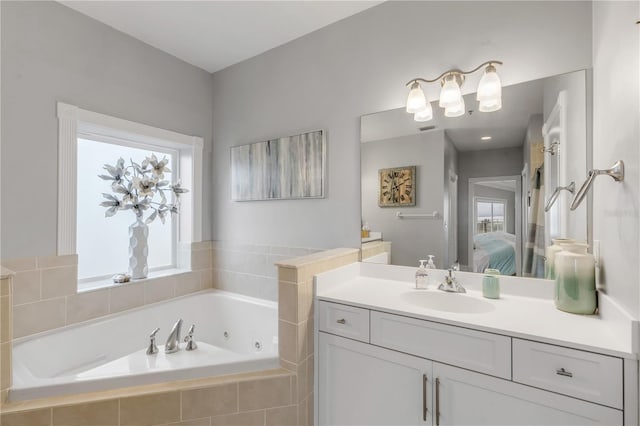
525	309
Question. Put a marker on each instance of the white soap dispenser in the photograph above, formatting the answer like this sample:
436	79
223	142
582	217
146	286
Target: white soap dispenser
422	277
431	265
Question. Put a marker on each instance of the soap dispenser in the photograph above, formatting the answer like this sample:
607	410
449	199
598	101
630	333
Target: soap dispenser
422	277
430	266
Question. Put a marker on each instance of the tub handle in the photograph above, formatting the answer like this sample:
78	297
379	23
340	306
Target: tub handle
191	344
153	349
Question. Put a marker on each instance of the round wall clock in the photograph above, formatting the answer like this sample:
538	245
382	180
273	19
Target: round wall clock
397	187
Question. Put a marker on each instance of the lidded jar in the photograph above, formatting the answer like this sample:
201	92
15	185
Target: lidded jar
575	279
550	253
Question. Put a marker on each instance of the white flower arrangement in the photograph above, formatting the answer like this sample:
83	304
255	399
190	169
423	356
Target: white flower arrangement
135	187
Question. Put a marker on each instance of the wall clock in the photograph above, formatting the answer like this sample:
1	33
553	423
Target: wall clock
397	187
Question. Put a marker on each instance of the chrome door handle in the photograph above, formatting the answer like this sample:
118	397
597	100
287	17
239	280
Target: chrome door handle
437	402
342	321
424	397
563	372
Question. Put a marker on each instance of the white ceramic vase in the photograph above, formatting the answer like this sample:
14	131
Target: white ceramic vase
550	254
138	250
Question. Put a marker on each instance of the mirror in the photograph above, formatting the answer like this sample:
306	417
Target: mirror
485	190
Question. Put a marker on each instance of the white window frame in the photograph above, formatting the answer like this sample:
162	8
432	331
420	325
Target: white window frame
74	121
478	199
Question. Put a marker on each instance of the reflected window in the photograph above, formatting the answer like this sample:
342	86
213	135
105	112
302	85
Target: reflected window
490	215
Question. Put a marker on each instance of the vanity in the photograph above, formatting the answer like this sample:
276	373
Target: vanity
388	354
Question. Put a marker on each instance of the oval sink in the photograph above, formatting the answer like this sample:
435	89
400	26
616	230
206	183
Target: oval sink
448	302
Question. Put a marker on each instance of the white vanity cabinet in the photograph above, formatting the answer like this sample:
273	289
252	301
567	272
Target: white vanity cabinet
361	384
418	372
468	398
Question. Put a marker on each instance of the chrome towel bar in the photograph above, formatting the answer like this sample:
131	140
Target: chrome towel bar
616	172
571	188
434	215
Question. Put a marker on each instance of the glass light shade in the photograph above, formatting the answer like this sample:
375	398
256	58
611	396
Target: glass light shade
490	105
455	110
450	94
490	87
424	115
416	101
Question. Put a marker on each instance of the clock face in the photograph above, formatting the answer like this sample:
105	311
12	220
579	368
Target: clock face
397	187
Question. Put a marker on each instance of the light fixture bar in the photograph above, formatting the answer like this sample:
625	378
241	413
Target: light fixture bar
489	92
454	71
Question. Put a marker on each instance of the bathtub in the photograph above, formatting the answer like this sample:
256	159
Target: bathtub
234	334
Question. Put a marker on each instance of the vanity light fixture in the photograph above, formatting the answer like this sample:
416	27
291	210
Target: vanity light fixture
486	138
489	94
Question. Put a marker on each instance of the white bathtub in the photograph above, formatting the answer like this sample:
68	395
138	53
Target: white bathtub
234	334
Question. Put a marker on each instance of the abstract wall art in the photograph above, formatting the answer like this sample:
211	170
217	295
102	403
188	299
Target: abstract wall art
291	167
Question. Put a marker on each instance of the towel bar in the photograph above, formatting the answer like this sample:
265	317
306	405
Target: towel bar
616	172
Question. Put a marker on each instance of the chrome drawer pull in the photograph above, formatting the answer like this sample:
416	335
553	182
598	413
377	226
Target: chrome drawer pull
342	321
563	372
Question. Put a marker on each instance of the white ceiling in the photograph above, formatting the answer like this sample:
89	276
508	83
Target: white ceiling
213	35
507	127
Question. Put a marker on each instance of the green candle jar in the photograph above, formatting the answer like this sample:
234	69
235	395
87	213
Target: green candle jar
550	254
491	284
575	279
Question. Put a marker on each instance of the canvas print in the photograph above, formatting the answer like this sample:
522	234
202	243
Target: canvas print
291	167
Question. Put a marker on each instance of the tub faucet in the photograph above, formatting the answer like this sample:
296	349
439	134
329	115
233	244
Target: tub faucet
451	285
191	344
152	349
173	341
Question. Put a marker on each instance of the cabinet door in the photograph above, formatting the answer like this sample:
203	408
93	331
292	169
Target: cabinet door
361	384
462	397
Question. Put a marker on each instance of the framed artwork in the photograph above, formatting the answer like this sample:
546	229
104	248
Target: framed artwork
286	168
397	187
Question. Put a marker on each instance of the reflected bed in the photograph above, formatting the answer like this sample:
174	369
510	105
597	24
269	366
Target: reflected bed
495	250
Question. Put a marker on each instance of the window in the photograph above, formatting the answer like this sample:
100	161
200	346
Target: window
87	141
98	235
490	215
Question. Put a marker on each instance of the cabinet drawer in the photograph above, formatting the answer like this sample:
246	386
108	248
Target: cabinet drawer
343	320
584	375
475	350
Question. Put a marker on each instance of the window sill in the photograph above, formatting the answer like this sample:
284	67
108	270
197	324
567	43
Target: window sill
103	283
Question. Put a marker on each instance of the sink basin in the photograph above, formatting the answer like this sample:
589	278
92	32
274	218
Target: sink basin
448	302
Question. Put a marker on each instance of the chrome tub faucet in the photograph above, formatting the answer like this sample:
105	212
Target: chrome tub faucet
173	341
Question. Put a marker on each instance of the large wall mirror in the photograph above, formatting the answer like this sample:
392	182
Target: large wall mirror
485	190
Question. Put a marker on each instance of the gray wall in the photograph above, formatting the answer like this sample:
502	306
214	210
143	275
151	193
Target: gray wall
616	132
475	164
51	53
411	239
510	196
331	77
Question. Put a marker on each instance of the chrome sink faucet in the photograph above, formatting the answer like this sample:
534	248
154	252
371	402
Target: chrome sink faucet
451	284
173	341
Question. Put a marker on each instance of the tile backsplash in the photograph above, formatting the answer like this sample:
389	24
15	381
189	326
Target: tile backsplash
250	269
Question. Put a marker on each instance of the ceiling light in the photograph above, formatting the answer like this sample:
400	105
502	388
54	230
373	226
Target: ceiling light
489	92
450	94
490	105
416	101
425	115
455	110
486	138
490	87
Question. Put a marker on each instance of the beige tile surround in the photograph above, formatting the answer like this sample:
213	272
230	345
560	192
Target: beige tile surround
277	397
45	293
6	331
373	248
